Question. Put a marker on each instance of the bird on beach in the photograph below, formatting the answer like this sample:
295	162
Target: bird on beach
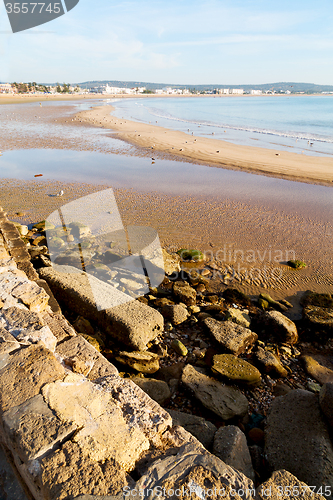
60	193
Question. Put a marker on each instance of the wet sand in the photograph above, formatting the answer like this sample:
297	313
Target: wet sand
213	224
214	152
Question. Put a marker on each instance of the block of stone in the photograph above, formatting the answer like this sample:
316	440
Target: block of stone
231	447
138	408
32	295
236	370
25	372
227	402
234	338
69	472
133	323
83	358
192	469
158	390
58	325
96	413
8	343
52	301
297	438
202	429
31	429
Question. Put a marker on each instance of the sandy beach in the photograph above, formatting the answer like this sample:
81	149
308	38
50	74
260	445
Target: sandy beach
213	223
214	152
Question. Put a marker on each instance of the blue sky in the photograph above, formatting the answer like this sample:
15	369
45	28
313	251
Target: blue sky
176	41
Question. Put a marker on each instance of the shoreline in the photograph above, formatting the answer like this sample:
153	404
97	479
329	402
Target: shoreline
213	152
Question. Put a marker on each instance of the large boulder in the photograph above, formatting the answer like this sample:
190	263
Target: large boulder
230	446
132	322
226	402
234	338
282	327
297	438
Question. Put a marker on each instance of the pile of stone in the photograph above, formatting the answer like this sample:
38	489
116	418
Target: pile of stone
205	390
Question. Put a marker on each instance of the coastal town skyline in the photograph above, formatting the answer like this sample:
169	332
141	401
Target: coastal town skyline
199	42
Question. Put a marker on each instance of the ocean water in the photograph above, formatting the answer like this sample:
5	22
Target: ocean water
301	124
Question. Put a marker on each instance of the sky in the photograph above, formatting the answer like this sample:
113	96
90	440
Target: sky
187	42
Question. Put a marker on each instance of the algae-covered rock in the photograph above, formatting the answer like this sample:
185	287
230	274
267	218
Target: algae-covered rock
236	370
273	303
317	299
296	264
191	255
239	317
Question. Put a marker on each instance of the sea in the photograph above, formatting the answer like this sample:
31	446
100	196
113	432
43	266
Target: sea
296	123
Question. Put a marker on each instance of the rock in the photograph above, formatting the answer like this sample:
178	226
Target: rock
52	301
236	370
281	390
82	325
231	447
139	410
317	299
234	338
40	241
79	230
326	401
158	390
144	362
69	472
283	485
22	229
273	303
226	402
95	341
171	263
270	363
83	358
233	295
133	323
319	367
32	295
8	343
179	347
202	429
319	317
296	264
177	314
27	327
256	435
281	326
173	371
95	412
194	471
25	372
239	317
297	438
185	293
162	302
190	255
32	430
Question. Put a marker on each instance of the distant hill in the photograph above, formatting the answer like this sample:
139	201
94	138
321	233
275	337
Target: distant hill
292	86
